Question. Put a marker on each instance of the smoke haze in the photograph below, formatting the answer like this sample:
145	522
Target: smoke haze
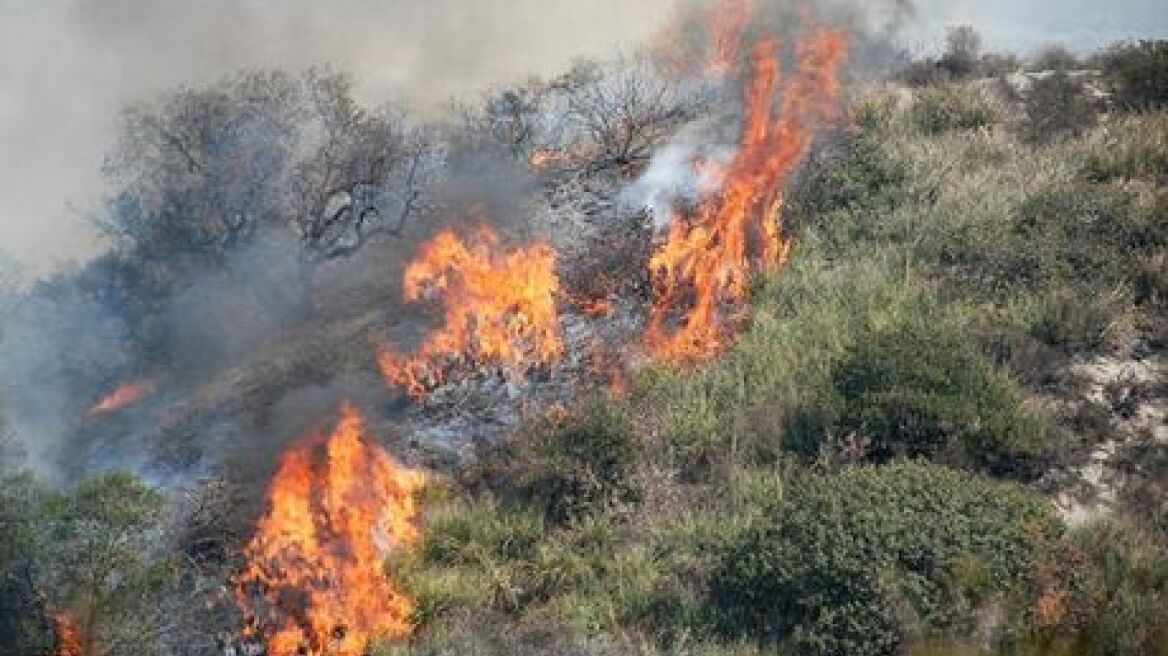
67	66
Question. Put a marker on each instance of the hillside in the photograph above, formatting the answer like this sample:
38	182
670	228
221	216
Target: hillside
730	350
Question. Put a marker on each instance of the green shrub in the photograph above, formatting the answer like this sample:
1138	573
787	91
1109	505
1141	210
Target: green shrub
1131	148
852	563
861	177
1054	58
946	108
733	411
571	466
1107	593
1077	318
1138	74
917	389
25	623
1057	106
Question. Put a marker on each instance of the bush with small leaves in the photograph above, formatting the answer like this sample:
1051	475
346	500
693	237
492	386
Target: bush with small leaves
1057	106
947	108
855	562
572	465
919	389
1138	74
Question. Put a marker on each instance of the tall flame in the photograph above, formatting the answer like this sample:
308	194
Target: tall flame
337	505
702	269
500	309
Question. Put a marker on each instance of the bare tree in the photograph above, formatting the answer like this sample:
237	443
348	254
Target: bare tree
362	175
624	110
202	171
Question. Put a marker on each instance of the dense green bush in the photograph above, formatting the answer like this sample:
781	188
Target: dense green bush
919	389
942	109
1130	148
1074	251
858	177
853	563
1057	106
572	465
25	624
1138	74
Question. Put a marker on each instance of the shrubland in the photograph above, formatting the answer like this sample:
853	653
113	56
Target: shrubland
869	467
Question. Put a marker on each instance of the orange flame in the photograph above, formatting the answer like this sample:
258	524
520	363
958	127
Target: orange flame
337	506
730	20
125	395
500	309
68	637
703	267
542	158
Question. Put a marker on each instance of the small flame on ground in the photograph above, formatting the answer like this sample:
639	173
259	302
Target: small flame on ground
500	309
702	270
337	506
123	396
68	638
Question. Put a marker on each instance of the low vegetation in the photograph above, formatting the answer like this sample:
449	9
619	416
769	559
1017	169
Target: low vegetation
862	472
867	470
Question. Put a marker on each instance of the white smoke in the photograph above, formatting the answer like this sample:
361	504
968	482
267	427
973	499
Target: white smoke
680	174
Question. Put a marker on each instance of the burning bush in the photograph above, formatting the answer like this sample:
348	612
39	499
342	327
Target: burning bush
702	269
500	309
337	506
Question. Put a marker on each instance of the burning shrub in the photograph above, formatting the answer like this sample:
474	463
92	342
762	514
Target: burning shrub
847	563
915	389
336	508
500	309
946	108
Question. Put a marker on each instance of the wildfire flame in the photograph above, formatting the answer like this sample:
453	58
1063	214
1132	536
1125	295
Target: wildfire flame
702	269
730	20
68	638
123	396
500	309
337	505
